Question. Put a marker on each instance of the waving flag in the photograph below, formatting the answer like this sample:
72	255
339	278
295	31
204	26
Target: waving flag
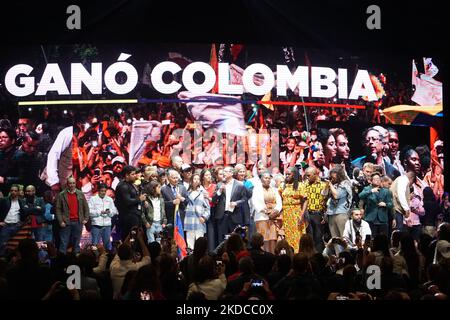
415	73
428	91
220	112
430	68
178	235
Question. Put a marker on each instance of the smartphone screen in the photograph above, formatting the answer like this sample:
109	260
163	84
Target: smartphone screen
257	283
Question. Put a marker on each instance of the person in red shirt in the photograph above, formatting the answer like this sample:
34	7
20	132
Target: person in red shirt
72	212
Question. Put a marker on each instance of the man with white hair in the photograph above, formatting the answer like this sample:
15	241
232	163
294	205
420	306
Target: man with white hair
373	142
175	195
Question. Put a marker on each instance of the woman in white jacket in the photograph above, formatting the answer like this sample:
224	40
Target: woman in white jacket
268	204
102	209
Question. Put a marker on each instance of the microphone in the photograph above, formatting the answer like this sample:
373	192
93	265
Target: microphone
374	156
356	172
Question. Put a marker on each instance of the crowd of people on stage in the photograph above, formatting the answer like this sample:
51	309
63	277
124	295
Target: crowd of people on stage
306	228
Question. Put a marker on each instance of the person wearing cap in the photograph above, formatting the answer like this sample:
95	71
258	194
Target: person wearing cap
373	143
186	174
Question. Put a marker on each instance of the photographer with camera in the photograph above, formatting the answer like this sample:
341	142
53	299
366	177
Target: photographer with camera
102	209
126	258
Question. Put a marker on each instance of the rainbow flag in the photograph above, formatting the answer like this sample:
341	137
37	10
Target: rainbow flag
178	235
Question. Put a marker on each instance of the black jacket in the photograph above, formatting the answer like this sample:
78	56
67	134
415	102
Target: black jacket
128	204
168	196
35	208
5	205
238	195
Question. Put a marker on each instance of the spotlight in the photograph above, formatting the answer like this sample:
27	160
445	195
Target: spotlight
119	111
29	109
65	111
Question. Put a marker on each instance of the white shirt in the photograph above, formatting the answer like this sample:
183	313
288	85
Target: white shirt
228	189
156	209
402	185
350	233
118	270
97	205
13	215
62	142
87	191
114	183
260	205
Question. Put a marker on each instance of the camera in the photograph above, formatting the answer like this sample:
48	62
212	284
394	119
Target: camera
241	230
97	172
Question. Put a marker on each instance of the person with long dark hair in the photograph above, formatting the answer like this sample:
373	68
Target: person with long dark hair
154	214
342	149
190	264
146	285
294	208
210	280
445	205
338	209
329	146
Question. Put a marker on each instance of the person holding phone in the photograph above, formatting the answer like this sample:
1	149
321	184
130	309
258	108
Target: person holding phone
102	209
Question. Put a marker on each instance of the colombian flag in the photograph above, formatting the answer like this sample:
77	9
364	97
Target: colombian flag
178	235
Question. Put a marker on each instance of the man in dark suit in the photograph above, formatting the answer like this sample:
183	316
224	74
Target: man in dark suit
12	215
229	198
372	140
128	202
174	193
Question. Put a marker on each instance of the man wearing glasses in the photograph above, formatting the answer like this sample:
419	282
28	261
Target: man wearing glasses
373	144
